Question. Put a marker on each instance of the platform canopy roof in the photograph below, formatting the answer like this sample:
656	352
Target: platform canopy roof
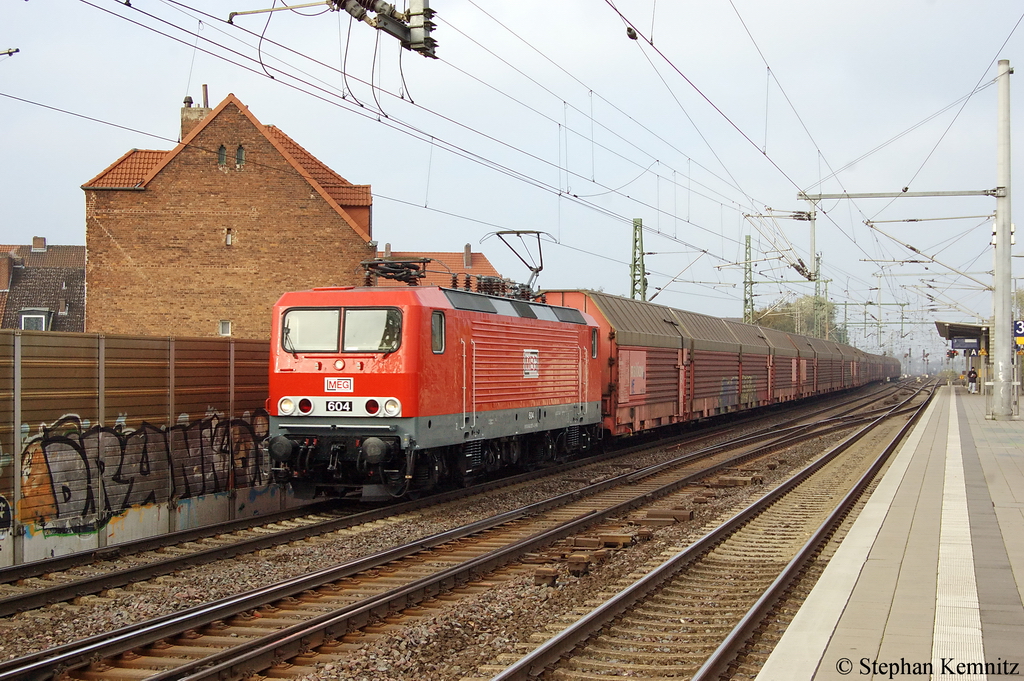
951	330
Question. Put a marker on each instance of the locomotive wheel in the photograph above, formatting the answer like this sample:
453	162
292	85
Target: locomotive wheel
549	448
394	481
428	472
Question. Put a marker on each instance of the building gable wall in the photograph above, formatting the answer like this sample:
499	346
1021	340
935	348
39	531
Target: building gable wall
159	258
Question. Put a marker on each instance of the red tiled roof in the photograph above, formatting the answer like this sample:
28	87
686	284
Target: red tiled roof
53	256
439	272
128	171
136	168
341	190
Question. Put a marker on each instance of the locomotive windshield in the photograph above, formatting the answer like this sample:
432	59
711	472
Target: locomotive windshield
372	330
311	330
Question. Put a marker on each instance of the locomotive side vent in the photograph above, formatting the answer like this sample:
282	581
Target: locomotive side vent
474	452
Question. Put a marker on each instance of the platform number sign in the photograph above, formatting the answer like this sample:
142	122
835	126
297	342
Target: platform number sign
531	363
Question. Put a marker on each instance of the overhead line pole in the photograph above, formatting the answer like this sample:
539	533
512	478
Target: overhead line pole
1002	402
1002	355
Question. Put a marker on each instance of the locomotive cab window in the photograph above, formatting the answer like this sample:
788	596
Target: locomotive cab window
372	330
437	332
311	330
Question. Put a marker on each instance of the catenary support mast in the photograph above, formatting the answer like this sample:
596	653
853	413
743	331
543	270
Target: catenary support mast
1002	361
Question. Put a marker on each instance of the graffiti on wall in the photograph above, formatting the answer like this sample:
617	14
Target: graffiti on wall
6	515
80	476
733	390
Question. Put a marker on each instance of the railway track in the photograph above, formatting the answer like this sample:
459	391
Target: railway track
35	585
693	614
290	618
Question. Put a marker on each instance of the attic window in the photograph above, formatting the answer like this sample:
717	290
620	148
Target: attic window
222	156
35	320
62	307
239	156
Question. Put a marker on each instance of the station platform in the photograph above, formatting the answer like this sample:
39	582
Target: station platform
929	582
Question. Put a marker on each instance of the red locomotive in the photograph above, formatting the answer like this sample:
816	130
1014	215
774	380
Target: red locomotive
383	391
386	391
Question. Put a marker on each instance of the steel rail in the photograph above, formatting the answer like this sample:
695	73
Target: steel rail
726	652
66	591
563	643
14	573
46	664
244	660
36	568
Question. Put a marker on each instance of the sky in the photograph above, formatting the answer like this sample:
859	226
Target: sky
549	117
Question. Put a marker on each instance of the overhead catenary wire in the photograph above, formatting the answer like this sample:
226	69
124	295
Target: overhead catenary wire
577	185
668	143
718	110
325	94
661	212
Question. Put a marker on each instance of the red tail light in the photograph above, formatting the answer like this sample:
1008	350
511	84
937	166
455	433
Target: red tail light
305	406
372	407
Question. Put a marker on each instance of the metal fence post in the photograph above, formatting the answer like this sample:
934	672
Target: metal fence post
172	520
17	532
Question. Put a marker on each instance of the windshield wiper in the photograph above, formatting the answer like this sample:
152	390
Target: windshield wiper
286	341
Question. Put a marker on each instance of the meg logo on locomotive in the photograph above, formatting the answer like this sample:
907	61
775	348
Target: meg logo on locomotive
339	384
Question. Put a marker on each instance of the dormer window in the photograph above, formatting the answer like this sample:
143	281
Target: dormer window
239	156
34	320
222	156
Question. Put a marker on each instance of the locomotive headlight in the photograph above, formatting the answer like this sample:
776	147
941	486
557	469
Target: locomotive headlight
286	406
392	407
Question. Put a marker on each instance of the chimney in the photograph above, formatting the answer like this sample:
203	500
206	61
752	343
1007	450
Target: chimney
387	250
467	257
6	270
39	244
191	116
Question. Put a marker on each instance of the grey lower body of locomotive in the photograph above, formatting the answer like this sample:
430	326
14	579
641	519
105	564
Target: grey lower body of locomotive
472	443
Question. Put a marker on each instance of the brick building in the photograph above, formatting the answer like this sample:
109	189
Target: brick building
203	239
42	288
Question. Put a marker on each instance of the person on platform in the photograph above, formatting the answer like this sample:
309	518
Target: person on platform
972	381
